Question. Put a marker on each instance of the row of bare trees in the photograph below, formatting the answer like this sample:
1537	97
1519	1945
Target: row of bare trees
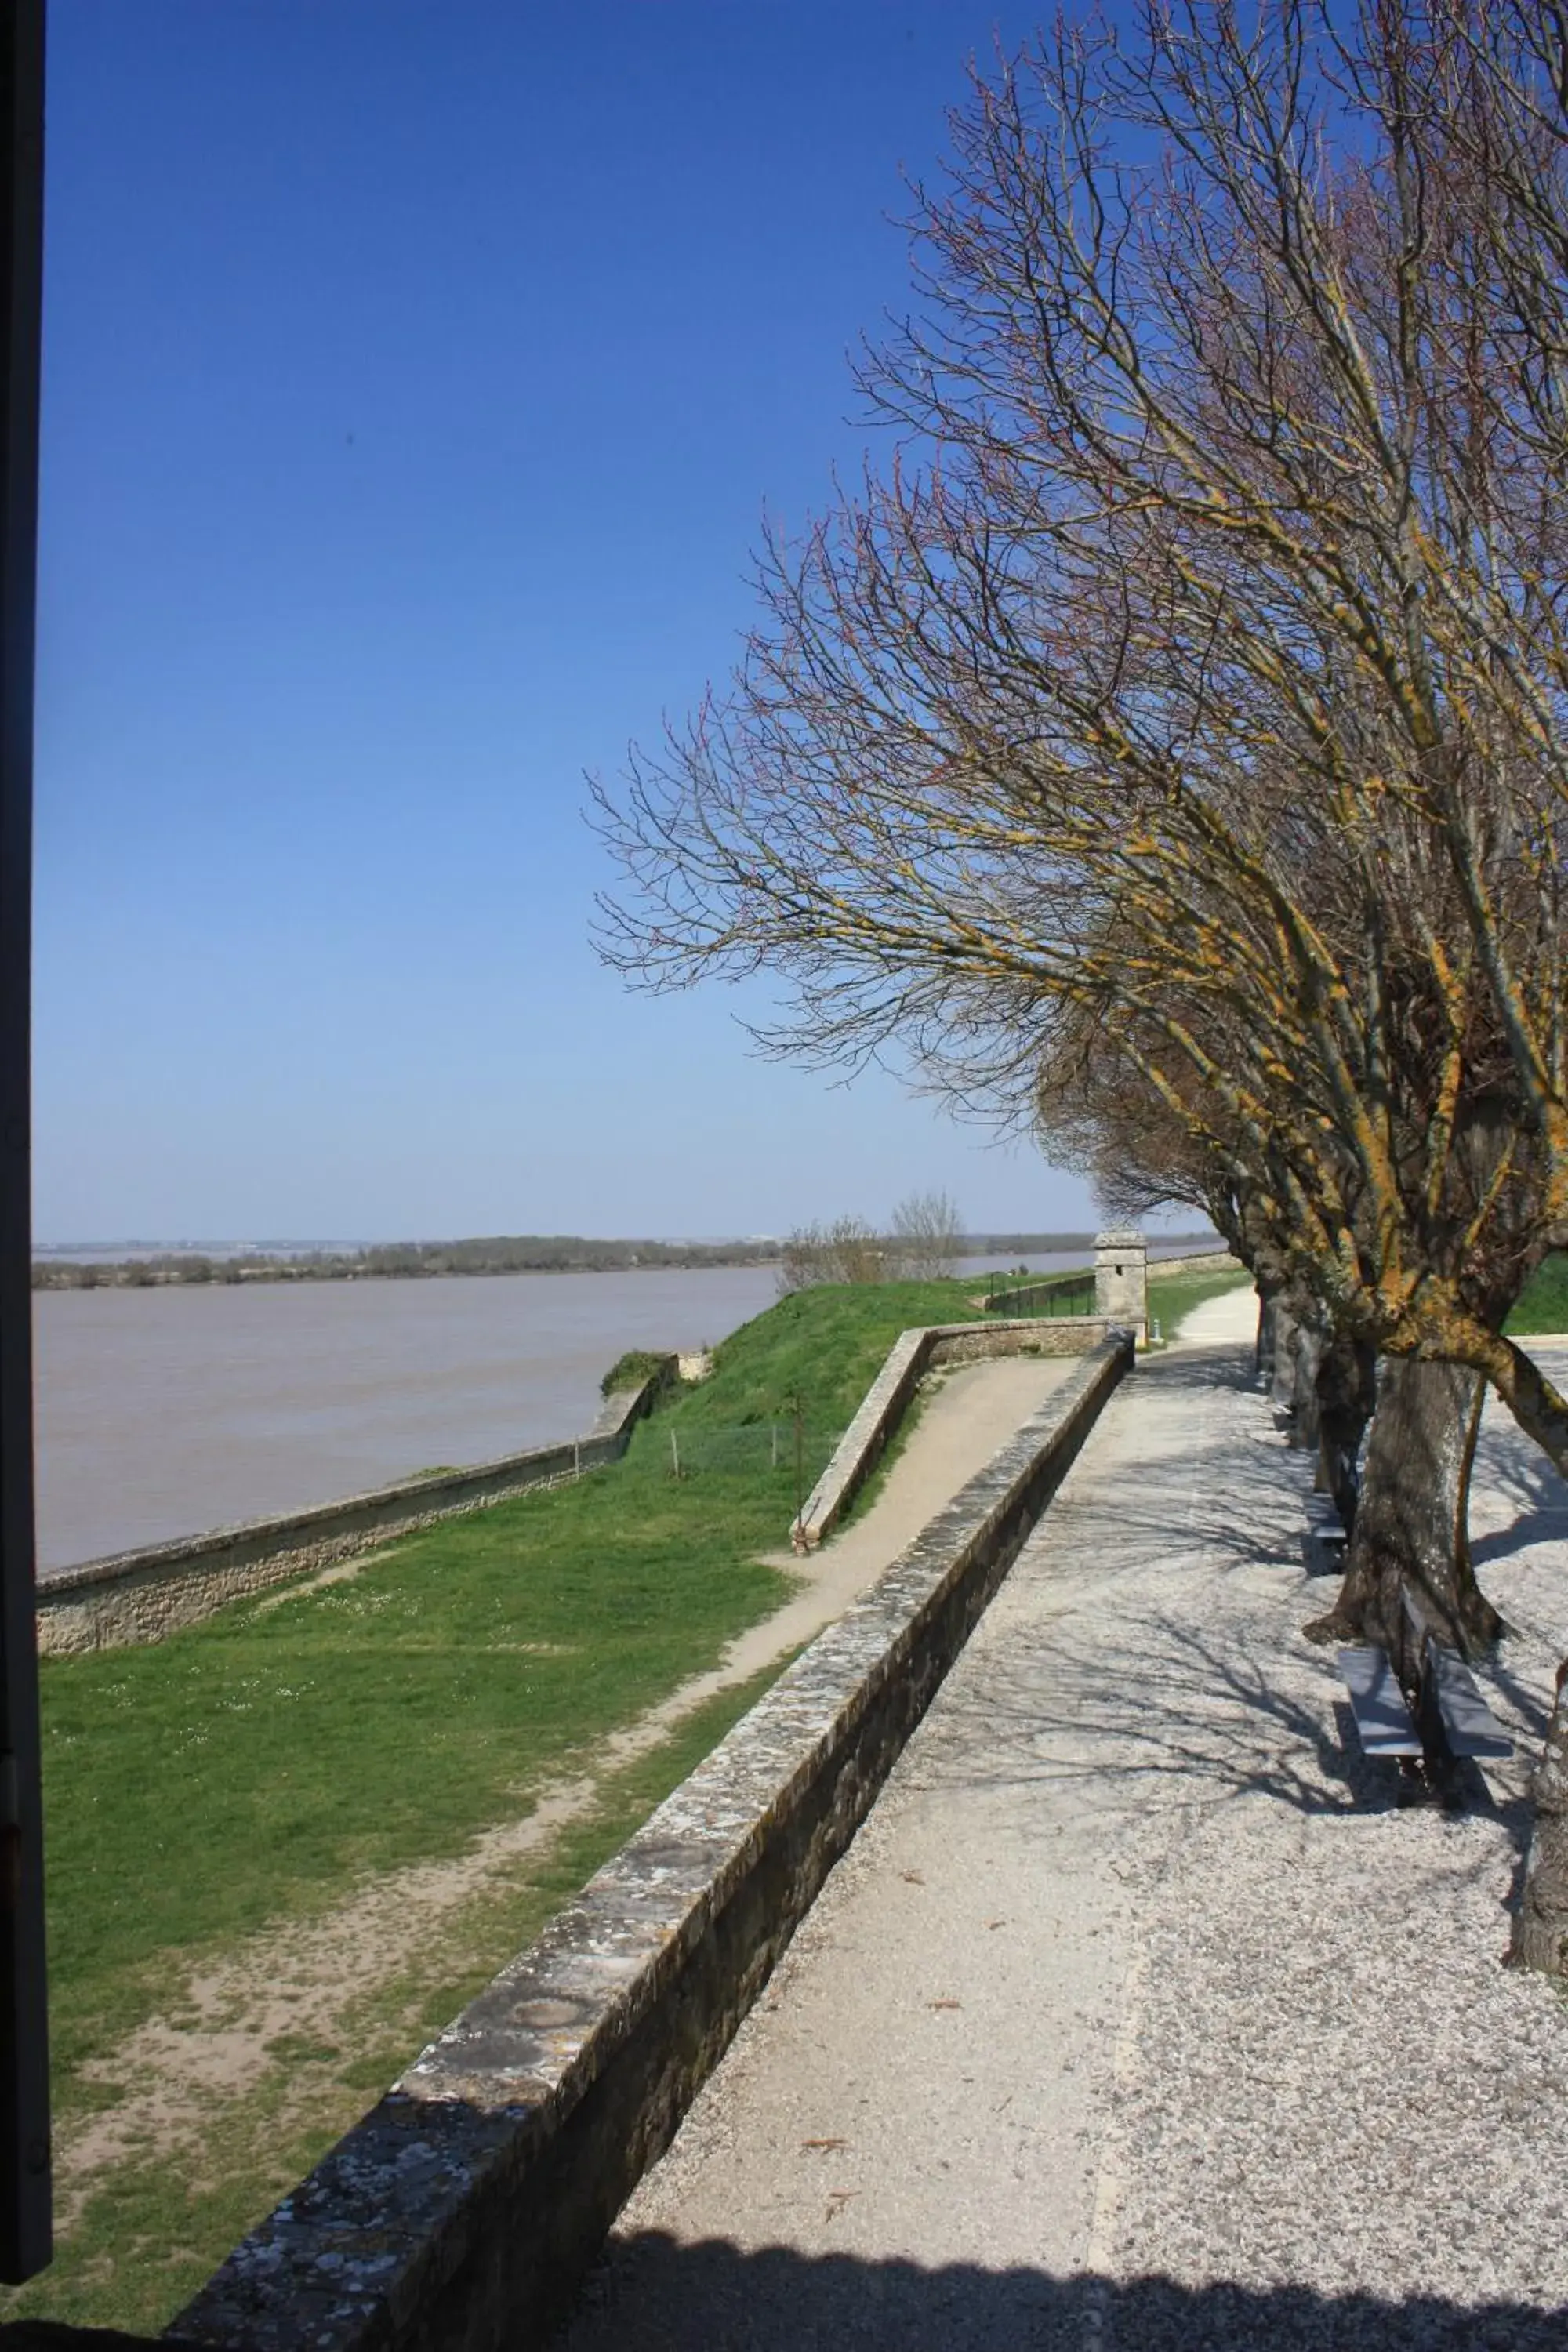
923	1243
1168	743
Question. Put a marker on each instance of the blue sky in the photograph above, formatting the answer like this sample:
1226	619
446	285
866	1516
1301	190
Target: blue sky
415	381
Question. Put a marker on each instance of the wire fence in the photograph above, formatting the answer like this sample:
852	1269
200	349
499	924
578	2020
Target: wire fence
1075	1295
779	1447
783	1458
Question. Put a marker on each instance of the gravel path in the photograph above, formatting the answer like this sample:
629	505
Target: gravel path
1141	2014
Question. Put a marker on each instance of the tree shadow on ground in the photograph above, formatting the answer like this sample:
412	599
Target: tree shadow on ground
1181	1720
1535	1491
1213	1697
654	2295
1208	1696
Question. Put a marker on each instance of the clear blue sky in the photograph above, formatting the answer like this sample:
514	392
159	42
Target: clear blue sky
415	379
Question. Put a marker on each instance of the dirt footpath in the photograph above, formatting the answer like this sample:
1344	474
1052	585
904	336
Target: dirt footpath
965	1415
1140	2014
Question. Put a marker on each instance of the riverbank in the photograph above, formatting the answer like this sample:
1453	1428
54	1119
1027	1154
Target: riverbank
286	1845
163	1413
259	1774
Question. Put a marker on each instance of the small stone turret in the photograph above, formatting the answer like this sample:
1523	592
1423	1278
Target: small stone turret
1121	1279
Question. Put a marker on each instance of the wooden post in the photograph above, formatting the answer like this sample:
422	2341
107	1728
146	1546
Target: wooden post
25	2203
799	1463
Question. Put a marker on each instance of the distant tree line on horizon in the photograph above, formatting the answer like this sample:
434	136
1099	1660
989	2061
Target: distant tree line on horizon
555	1254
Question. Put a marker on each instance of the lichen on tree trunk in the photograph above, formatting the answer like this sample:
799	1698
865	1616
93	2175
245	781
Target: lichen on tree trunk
1411	1519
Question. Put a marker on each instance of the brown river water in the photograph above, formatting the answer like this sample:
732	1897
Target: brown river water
165	1412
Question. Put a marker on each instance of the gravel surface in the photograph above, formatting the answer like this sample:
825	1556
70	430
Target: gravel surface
1142	2012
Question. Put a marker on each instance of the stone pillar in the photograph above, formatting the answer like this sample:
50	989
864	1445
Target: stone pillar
1121	1280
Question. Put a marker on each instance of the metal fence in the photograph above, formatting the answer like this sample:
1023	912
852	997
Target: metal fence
1069	1295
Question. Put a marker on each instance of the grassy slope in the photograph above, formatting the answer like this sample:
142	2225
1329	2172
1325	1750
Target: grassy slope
158	2227
252	1767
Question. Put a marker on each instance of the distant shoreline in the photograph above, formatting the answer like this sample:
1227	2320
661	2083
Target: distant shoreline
507	1253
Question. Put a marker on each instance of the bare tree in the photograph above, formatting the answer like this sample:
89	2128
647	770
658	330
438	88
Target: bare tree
1408	1513
847	1250
1207	681
927	1236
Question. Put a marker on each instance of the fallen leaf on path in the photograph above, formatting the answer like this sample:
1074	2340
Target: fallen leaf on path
824	2143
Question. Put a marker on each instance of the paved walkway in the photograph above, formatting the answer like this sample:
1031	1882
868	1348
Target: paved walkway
1139	2014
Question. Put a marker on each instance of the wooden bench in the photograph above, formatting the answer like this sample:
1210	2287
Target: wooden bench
1384	1725
1451	1721
1326	1541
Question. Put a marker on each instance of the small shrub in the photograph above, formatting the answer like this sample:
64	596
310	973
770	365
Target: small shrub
630	1371
846	1251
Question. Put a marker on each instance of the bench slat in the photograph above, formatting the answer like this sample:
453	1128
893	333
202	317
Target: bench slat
1383	1721
1468	1723
1323	1555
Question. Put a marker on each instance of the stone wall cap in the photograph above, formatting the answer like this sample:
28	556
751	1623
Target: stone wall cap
1122	1237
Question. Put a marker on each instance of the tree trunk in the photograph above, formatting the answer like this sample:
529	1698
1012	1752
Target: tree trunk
1347	1394
1282	1365
1541	1923
1411	1518
1307	1352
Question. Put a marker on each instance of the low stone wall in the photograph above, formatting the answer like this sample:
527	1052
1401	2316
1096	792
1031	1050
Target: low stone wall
462	2213
1056	1334
911	1355
1201	1262
140	1596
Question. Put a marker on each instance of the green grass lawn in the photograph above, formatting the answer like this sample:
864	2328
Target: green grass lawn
1543	1305
1171	1296
252	1766
252	1769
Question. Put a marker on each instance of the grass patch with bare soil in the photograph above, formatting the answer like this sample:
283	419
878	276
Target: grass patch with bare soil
1173	1296
187	2171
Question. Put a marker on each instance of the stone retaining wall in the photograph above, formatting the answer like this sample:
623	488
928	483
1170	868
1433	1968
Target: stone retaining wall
1201	1262
462	2213
912	1354
140	1596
